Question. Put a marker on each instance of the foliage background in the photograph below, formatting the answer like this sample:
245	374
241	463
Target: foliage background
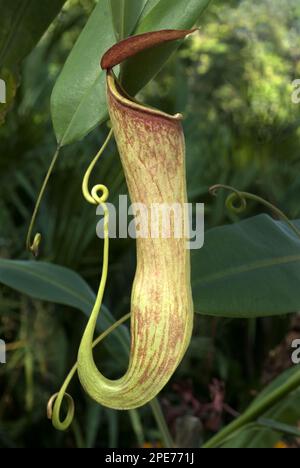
232	81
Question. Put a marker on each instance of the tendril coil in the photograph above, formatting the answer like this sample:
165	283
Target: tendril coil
236	203
55	402
97	196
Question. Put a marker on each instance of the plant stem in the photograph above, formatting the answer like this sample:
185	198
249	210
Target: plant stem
33	246
255	411
161	422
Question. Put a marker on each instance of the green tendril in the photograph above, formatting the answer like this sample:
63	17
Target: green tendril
236	202
97	196
34	246
55	402
92	196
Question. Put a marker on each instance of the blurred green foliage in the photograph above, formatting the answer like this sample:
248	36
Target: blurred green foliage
232	81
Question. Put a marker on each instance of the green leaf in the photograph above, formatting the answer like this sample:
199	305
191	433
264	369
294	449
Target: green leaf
248	269
275	423
252	432
148	7
22	24
173	14
279	427
166	14
78	101
125	15
60	285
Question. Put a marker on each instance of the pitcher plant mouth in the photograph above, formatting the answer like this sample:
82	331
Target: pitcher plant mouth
151	146
118	93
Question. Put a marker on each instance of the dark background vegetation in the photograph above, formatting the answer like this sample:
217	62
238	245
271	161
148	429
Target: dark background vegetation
232	82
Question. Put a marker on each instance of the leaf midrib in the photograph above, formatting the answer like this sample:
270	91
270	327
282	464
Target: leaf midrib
49	280
62	143
247	268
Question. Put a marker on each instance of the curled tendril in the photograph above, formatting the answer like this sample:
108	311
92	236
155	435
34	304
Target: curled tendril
236	202
55	402
97	196
231	203
53	412
93	196
34	246
241	198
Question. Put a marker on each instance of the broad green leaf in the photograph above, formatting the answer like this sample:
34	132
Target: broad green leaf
274	385
266	435
278	421
148	7
173	14
251	436
125	15
286	412
78	101
44	281
22	24
280	427
60	285
166	14
248	269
